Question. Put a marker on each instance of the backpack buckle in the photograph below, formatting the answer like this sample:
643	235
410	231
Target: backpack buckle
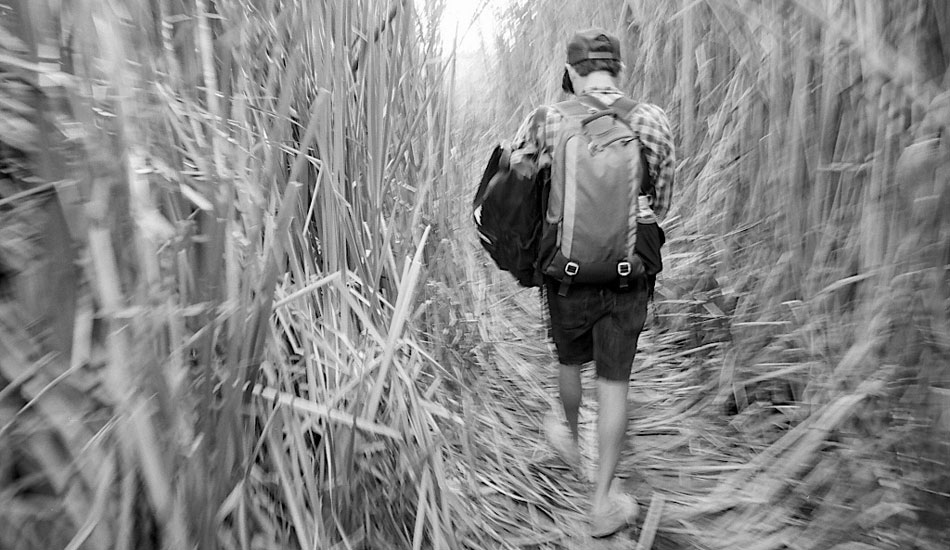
624	268
571	269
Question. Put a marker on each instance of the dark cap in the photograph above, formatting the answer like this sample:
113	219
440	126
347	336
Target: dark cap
592	44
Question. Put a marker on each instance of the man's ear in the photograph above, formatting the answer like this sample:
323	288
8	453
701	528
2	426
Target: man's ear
571	71
571	78
567	83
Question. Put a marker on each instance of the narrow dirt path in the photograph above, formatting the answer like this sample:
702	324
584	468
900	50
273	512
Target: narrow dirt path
527	498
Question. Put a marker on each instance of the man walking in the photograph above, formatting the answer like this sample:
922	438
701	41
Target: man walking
600	322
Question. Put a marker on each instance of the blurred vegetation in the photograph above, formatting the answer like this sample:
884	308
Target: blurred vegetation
240	304
809	235
214	220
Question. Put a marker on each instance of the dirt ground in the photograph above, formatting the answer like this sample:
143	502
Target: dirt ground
671	462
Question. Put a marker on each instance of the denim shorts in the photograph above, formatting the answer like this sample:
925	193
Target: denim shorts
600	324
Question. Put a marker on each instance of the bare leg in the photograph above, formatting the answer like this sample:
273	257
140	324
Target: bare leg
611	432
569	384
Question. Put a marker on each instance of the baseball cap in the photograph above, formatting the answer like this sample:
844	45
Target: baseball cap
592	44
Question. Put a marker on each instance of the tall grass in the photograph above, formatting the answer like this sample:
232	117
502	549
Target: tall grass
246	188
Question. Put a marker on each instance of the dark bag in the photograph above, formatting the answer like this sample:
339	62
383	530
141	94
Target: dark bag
508	211
650	239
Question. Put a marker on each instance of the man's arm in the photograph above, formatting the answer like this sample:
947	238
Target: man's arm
656	137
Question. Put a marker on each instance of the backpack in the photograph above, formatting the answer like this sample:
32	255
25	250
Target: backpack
507	210
590	230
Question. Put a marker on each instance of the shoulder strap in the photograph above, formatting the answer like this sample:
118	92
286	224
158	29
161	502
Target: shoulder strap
624	106
572	108
621	108
592	101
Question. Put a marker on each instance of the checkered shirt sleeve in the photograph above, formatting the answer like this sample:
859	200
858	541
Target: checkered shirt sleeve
649	122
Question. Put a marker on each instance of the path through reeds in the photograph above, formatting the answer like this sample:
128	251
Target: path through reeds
520	494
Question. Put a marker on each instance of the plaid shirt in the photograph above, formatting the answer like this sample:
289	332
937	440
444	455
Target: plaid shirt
648	121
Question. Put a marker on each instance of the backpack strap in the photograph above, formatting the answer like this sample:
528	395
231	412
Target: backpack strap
573	108
592	101
621	108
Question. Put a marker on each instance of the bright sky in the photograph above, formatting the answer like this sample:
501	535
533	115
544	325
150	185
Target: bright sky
459	15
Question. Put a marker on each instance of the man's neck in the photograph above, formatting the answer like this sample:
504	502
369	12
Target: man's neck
597	79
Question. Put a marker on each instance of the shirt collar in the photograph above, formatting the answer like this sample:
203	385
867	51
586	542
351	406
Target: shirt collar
601	90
